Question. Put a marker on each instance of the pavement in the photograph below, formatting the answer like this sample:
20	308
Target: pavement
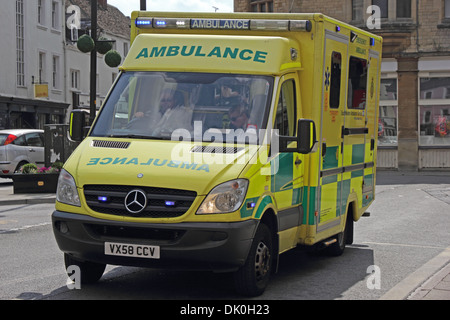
429	282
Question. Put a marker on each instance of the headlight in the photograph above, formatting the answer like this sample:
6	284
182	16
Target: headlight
67	190
226	197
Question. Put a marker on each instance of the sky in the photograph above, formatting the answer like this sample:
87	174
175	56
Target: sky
127	6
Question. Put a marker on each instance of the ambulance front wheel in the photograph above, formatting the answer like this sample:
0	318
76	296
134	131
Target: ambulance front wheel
89	272
252	278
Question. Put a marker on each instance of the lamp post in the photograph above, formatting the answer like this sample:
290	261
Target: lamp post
93	85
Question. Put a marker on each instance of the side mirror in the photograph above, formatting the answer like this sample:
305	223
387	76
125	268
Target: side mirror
306	138
77	124
306	135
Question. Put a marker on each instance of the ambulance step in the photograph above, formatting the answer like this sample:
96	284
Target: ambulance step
329	242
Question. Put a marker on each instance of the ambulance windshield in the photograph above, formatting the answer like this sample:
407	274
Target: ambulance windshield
186	106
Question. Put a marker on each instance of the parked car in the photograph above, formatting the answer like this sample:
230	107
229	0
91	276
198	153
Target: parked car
18	147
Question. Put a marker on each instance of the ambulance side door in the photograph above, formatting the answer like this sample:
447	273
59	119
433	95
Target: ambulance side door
287	167
331	143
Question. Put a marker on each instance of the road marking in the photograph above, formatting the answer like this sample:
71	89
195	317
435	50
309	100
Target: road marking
404	245
25	227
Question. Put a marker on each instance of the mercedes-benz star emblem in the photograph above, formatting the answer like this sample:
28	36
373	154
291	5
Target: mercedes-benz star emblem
135	201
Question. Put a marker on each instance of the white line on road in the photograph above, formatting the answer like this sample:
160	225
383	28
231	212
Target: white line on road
25	227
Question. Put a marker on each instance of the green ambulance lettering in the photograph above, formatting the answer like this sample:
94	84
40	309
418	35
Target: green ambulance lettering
148	162
199	51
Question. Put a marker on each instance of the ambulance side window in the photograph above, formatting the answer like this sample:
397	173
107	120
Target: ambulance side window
286	115
357	83
335	81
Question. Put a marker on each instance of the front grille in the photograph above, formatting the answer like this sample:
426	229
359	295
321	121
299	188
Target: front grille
110	199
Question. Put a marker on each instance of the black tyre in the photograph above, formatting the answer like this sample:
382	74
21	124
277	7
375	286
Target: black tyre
252	278
343	238
90	272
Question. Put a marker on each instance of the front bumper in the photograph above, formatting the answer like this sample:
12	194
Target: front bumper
211	246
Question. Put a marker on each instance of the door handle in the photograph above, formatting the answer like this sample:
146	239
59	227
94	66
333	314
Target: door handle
31	150
298	161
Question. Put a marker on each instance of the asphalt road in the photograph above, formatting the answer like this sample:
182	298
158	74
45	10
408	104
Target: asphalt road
408	226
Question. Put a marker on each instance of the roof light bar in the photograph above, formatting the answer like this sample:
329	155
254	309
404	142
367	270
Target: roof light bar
300	25
269	25
171	23
224	24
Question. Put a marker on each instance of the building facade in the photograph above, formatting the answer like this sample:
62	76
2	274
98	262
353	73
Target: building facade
414	126
32	53
43	74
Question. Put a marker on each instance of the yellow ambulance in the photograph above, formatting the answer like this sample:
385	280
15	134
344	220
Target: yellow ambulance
226	140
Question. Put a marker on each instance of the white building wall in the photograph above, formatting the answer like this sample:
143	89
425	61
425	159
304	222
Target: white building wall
50	41
38	38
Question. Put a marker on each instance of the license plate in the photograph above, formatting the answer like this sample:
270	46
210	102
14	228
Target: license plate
131	250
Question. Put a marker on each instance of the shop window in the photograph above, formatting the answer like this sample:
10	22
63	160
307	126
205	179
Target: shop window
388	115
434	111
357	83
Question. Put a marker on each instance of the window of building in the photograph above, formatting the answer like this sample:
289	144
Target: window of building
55	15
447	9
41	12
75	79
55	72
20	44
125	49
388	116
357	83
261	5
383	5
41	67
403	8
357	10
434	111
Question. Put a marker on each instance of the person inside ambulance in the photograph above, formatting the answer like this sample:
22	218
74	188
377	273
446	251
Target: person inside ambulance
174	113
238	117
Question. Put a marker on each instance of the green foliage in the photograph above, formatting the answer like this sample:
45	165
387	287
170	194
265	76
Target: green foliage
113	58
29	168
85	43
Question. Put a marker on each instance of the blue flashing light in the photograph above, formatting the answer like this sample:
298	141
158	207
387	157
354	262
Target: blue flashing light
160	23
170	203
143	22
102	199
372	41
